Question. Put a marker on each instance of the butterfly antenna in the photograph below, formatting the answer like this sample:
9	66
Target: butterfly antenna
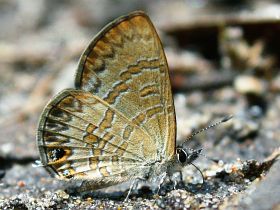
225	119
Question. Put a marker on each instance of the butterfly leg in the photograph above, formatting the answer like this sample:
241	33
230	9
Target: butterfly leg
133	184
178	179
163	176
130	189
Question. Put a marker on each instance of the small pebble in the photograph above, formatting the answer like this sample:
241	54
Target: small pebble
21	183
249	85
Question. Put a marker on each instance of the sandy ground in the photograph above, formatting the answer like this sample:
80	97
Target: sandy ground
223	58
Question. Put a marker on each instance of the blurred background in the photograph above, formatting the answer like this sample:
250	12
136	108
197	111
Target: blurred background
223	57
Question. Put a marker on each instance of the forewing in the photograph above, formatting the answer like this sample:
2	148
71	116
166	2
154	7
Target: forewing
126	67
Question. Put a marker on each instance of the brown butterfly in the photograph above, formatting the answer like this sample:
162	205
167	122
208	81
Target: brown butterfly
118	124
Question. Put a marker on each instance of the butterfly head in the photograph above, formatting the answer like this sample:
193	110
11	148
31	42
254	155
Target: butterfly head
186	156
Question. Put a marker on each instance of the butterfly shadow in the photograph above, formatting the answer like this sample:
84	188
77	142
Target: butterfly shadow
142	190
117	192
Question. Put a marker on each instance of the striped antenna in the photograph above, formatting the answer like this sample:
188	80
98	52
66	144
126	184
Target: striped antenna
225	119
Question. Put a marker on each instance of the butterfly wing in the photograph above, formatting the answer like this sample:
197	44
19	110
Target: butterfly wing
125	65
80	136
121	115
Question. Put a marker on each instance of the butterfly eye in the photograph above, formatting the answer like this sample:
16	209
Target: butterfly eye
182	156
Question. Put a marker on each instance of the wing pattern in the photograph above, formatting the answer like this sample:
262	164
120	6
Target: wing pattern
121	114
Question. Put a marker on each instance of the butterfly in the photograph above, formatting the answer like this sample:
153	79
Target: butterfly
118	123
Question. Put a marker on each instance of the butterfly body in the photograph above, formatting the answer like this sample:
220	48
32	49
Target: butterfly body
118	124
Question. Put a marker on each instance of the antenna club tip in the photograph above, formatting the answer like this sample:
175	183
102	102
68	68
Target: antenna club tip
227	118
